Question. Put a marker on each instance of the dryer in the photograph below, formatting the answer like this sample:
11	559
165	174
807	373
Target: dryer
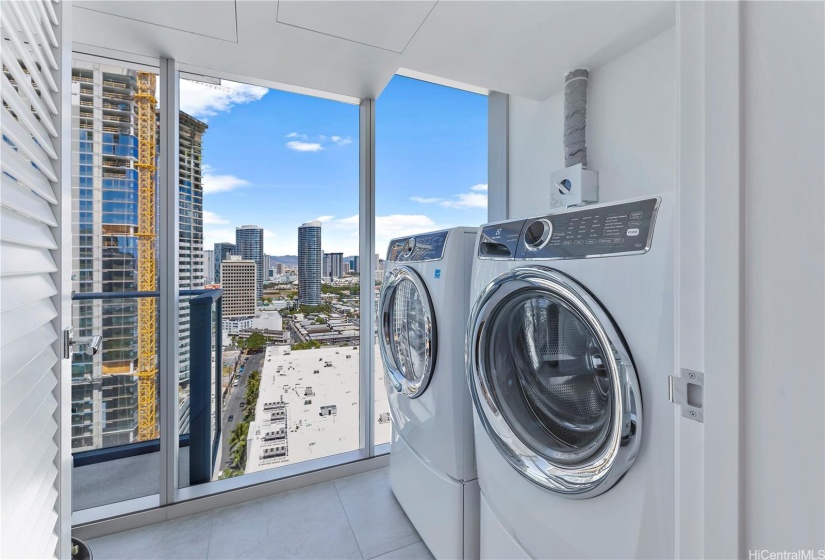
423	308
570	343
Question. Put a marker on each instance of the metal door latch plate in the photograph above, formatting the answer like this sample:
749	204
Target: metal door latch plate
688	392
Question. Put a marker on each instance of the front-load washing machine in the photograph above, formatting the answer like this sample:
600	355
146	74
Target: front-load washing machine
423	308
570	343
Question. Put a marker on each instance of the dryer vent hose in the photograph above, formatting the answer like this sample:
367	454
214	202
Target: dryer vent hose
575	117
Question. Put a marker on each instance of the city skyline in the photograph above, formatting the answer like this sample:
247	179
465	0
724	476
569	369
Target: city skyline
279	159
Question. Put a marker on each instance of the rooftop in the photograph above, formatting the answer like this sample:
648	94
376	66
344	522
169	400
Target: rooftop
305	381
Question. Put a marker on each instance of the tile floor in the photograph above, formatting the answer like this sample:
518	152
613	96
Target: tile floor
354	517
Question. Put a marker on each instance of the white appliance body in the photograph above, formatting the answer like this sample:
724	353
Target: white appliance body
423	309
570	345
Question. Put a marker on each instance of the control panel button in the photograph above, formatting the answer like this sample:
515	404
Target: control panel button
591	241
636	215
633	232
634	223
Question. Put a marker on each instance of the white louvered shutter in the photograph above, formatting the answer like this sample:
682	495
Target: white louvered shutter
30	390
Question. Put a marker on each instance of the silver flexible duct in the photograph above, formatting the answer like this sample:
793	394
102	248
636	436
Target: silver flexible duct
575	117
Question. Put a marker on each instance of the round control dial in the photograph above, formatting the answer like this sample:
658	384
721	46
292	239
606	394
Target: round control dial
538	234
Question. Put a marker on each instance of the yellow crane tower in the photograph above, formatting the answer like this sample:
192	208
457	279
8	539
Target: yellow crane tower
147	261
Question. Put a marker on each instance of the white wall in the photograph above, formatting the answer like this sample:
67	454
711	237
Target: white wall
631	130
783	47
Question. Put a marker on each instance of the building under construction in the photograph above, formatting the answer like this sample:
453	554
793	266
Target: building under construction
114	135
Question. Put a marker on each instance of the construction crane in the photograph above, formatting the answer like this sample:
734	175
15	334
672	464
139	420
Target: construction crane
147	261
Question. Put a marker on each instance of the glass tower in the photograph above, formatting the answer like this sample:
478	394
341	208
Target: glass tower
222	253
310	263
250	246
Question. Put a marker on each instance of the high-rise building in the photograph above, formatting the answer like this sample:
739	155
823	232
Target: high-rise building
190	235
336	265
310	263
238	281
208	266
222	252
280	268
105	257
326	268
249	242
105	254
267	267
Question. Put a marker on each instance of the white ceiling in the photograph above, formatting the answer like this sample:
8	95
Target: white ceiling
356	20
353	48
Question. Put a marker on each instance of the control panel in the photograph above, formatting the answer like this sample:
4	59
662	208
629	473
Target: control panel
589	231
427	247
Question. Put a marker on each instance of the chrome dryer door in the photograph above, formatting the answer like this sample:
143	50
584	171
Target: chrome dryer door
553	382
408	332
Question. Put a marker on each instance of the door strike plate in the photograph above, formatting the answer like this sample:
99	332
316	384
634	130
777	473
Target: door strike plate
688	392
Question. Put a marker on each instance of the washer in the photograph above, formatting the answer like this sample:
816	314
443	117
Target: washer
569	349
423	309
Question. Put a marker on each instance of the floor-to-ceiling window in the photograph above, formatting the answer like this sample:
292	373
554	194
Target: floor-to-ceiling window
269	205
431	174
274	196
114	181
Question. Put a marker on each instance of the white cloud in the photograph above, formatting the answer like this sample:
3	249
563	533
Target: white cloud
220	183
466	200
306	143
203	100
476	198
304	146
423	200
323	219
210	218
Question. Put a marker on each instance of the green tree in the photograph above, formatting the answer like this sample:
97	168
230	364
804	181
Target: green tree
308	345
255	342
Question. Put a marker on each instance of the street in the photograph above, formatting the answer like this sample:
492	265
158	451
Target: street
233	406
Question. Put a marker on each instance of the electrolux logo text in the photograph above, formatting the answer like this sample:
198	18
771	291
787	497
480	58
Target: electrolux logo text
786	555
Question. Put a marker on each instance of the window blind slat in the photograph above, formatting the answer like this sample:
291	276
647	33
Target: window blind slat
15	356
15	132
21	169
16	228
25	381
22	109
21	200
18	323
20	260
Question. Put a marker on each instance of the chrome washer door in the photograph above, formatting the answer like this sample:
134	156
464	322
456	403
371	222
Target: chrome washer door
408	332
553	382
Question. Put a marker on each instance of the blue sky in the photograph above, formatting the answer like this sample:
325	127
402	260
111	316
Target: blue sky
278	159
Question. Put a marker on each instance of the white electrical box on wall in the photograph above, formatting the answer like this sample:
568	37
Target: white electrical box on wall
573	186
